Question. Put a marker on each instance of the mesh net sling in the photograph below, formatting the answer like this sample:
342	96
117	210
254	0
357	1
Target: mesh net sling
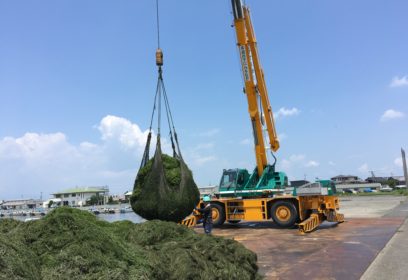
164	187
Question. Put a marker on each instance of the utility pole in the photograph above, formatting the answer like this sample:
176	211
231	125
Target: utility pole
404	166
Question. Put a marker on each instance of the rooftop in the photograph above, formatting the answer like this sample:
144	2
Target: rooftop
17	202
398	178
345	176
207	187
84	190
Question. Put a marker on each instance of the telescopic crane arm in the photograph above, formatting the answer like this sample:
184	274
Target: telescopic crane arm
254	85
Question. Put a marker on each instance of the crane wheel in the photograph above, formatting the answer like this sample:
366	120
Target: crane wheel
218	214
284	213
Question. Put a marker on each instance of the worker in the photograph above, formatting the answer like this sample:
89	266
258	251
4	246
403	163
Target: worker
207	214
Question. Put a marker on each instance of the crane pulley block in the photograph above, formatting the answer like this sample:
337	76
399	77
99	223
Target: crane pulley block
159	57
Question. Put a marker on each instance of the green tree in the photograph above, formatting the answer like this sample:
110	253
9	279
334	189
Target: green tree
391	182
96	199
110	200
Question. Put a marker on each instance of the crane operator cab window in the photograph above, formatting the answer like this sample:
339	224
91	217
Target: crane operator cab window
228	179
234	179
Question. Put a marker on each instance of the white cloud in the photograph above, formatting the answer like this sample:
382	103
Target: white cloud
399	82
122	130
312	163
286	164
200	154
246	141
293	160
202	160
283	112
35	163
363	168
196	159
398	162
332	163
36	149
355	156
296	158
299	166
391	115
282	136
204	146
210	133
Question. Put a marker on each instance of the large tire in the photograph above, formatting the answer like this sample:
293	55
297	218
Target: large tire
284	213
218	214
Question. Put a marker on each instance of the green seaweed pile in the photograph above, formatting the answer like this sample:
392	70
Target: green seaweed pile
164	189
73	244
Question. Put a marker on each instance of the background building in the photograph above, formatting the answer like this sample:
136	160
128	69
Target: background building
399	180
346	179
128	194
80	195
21	204
208	190
351	182
52	202
375	179
298	183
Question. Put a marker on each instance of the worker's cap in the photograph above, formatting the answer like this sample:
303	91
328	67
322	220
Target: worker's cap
206	198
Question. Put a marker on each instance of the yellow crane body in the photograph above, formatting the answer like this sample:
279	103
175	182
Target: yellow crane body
263	195
310	211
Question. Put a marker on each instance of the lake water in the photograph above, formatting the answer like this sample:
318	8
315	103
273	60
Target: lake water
130	216
121	217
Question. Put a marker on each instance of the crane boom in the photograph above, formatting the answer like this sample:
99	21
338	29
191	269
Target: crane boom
255	85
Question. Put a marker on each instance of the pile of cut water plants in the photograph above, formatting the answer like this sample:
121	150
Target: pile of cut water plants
73	244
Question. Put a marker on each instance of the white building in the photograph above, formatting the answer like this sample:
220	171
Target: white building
346	179
55	202
358	187
128	194
208	190
80	195
21	204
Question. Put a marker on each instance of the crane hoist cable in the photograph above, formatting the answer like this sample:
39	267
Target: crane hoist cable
158	24
159	53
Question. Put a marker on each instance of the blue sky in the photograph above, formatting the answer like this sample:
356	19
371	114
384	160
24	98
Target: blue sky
77	80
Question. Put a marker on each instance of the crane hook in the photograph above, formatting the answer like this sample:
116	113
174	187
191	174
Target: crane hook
159	57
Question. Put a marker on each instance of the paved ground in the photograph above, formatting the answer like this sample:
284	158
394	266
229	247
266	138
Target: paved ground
344	251
369	206
392	261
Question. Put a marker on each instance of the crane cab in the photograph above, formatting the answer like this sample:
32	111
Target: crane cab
240	183
233	179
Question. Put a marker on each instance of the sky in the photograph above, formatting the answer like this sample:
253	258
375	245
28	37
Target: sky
78	77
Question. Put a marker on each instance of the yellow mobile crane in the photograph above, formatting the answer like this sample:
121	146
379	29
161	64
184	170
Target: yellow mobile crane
261	195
